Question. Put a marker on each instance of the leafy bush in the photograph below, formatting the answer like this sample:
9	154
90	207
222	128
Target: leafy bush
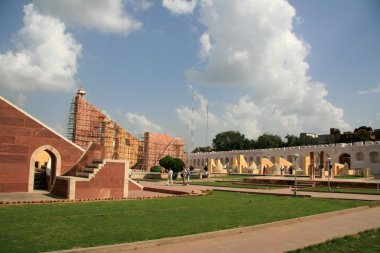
155	168
166	162
175	164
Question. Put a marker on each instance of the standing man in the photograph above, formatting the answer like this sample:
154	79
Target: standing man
188	175
170	177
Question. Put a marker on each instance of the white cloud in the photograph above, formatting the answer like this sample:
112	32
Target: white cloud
205	46
370	91
196	118
45	56
140	124
107	16
243	117
180	6
253	45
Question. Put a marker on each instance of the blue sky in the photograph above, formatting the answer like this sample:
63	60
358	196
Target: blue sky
280	67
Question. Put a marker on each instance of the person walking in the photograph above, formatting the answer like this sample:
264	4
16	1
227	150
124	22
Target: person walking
187	175
170	177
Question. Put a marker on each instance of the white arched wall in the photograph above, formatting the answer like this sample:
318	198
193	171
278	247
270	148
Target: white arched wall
50	149
333	151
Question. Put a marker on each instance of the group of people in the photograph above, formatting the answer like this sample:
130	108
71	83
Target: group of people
285	170
185	174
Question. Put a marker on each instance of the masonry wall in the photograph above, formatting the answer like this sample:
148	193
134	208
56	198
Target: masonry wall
109	182
370	155
160	145
61	188
20	136
91	125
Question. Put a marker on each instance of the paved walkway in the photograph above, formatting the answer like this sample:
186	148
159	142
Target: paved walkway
38	196
273	237
281	191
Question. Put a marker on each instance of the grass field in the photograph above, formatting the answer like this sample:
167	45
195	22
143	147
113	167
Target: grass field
342	190
236	185
368	241
47	227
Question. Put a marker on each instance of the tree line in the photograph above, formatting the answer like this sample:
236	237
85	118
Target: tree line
234	140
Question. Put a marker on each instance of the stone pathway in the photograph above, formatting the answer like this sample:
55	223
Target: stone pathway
281	191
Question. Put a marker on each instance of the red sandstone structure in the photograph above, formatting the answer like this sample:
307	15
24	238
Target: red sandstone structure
158	145
73	173
95	164
88	124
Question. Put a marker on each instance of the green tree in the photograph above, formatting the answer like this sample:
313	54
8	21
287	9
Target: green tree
155	168
178	165
268	141
168	162
230	140
202	149
292	141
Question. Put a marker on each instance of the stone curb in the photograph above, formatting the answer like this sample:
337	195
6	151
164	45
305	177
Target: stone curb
71	201
353	193
167	191
265	193
166	241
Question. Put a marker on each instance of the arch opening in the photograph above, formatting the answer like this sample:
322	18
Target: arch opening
345	159
45	165
374	157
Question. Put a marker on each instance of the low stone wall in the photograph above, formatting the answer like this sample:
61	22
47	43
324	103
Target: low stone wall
61	188
109	182
269	181
349	184
148	175
290	182
365	172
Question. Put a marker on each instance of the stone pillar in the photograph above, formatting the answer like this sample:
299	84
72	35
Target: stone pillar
322	163
312	166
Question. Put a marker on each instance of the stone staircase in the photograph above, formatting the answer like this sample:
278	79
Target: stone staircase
303	184
91	169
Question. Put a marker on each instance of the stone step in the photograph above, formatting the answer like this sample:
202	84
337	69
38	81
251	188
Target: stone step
97	161
93	165
83	174
89	170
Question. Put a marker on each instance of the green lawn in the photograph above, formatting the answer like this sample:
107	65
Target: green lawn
237	185
342	190
47	227
368	241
